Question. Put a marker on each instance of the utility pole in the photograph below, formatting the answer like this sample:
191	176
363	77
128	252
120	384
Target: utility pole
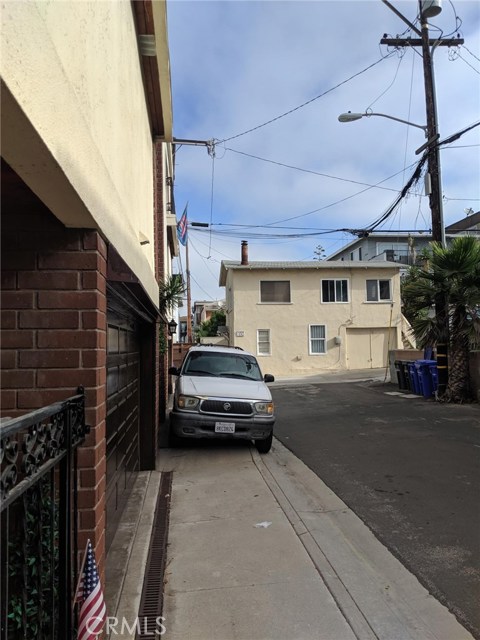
435	187
189	299
210	144
433	181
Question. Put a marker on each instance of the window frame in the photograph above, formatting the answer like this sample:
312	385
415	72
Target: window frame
310	338
269	342
289	301
334	280
378	299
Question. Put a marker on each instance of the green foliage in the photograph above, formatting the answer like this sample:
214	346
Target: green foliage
162	340
209	328
454	274
171	293
441	300
33	564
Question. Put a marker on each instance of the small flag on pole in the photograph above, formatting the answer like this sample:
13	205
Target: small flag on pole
93	612
182	227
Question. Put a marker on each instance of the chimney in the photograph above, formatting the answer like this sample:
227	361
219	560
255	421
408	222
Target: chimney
244	252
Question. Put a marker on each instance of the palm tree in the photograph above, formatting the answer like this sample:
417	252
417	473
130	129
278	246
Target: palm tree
450	276
171	294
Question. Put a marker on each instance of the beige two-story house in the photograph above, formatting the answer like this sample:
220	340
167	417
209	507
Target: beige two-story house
305	317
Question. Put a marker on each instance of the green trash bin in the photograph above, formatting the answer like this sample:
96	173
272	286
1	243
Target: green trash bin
402	381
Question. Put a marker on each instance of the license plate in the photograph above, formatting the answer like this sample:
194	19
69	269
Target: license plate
224	427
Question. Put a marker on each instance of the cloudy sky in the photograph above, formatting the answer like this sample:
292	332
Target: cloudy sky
236	66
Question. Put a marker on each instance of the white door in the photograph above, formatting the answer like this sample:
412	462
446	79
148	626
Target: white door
368	348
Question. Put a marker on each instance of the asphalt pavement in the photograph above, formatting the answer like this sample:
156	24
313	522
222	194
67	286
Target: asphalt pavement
407	466
260	547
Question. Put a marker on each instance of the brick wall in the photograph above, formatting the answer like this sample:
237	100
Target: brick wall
53	334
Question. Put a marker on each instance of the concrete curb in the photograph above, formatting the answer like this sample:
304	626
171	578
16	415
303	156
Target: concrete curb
378	596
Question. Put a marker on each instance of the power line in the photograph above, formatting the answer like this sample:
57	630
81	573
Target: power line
316	173
304	104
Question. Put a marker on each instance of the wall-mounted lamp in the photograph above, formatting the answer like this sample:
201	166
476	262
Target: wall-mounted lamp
172	327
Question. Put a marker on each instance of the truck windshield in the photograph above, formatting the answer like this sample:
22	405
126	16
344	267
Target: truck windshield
223	365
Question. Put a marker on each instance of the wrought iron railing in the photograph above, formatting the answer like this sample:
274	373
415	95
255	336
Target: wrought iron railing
38	550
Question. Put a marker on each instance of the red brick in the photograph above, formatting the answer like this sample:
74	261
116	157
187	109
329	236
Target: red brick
8	399
49	320
53	378
90	456
9	319
17	339
8	359
14	379
34	399
91	477
94	320
97	433
97	538
17	299
68	300
70	339
92	518
94	280
70	260
96	397
48	280
95	415
94	358
49	359
93	241
91	497
9	280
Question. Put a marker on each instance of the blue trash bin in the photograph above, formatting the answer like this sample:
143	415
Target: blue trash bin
413	375
434	375
424	377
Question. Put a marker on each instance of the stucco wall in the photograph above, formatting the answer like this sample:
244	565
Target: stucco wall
289	323
76	126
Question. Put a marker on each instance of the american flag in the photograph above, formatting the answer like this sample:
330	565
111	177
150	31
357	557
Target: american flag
182	227
93	612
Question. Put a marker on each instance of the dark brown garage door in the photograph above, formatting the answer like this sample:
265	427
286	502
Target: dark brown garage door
123	386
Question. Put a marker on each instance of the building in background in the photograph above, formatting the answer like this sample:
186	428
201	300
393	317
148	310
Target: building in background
203	309
308	317
403	248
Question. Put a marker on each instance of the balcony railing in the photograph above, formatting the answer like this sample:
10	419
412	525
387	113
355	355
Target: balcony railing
38	551
401	256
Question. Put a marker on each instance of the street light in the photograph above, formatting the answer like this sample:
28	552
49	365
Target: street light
431	188
350	117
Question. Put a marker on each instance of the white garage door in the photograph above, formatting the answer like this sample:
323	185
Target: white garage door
368	348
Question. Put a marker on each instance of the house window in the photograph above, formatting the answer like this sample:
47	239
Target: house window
359	253
318	334
378	290
334	291
352	257
263	342
274	290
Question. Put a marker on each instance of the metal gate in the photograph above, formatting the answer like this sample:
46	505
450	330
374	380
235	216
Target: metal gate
38	550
